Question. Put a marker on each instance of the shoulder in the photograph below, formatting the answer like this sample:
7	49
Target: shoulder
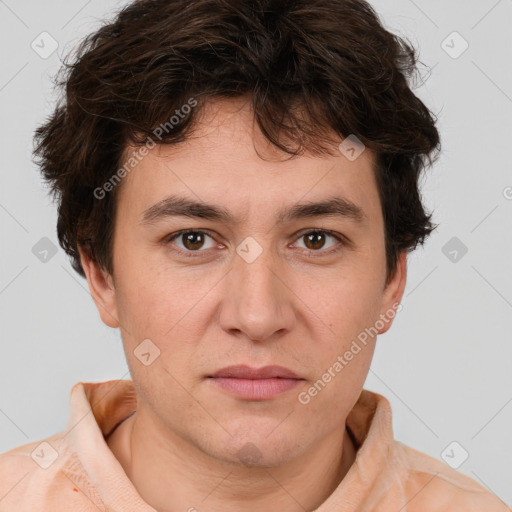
433	485
38	475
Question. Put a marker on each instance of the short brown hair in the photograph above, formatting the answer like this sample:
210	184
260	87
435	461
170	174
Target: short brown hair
332	60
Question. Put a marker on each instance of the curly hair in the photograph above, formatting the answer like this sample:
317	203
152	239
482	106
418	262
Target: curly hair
311	68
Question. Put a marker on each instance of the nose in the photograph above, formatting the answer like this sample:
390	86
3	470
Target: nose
257	302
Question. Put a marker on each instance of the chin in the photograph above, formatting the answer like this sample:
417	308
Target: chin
265	448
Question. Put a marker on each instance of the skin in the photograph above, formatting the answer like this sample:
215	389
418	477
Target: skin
294	306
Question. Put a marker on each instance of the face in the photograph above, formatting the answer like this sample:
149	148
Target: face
260	279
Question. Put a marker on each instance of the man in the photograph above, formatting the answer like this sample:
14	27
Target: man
238	183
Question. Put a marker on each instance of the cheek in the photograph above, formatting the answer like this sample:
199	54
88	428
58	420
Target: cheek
168	307
350	313
343	356
147	306
348	305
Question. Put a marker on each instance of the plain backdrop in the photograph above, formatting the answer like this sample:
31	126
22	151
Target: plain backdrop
445	365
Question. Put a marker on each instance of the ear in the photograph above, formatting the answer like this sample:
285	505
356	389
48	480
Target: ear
393	293
102	289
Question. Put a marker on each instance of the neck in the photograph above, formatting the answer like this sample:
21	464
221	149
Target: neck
171	475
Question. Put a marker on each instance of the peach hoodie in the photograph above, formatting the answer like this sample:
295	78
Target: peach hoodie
75	470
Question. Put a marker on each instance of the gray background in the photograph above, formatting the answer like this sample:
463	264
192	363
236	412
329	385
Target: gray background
446	364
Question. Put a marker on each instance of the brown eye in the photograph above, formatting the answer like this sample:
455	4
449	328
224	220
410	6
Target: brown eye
314	240
317	241
191	241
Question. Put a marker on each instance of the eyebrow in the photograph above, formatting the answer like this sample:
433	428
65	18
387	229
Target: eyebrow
173	206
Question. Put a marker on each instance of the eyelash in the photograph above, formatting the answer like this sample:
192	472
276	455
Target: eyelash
310	252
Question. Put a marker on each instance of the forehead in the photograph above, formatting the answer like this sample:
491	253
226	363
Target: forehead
226	159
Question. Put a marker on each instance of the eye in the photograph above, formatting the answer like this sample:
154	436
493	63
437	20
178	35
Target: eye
315	240
191	240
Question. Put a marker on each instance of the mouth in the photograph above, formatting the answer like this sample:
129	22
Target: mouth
255	383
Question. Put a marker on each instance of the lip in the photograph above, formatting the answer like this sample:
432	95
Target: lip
246	372
255	383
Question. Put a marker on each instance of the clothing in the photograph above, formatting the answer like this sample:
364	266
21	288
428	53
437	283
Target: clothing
386	476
